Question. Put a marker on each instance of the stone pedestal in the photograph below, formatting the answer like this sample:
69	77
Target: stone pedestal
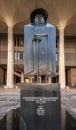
40	107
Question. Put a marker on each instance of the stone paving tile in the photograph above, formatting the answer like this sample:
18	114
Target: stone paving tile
68	99
10	100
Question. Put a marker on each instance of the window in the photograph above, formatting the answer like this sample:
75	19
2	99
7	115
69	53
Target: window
21	55
18	55
18	42
56	56
15	55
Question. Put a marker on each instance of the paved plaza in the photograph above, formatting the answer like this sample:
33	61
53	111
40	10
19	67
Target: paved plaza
10	99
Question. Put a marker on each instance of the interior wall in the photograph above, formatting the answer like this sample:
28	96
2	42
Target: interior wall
70	52
72	77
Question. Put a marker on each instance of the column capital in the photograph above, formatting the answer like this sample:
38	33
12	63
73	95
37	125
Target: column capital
10	29
62	25
61	28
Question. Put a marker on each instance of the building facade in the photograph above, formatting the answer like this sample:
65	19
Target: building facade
18	55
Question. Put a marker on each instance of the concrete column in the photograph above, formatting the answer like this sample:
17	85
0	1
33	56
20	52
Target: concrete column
61	59
10	59
22	77
49	80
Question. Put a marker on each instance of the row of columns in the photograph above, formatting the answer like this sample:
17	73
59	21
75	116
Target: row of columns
10	60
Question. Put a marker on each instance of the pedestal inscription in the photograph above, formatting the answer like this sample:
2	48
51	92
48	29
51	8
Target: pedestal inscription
40	107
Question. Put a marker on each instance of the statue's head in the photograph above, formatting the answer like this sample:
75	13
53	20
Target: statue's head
38	17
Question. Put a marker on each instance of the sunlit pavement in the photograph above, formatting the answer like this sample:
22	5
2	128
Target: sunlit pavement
10	99
68	101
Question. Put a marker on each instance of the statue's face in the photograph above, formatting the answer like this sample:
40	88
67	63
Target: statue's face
39	19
